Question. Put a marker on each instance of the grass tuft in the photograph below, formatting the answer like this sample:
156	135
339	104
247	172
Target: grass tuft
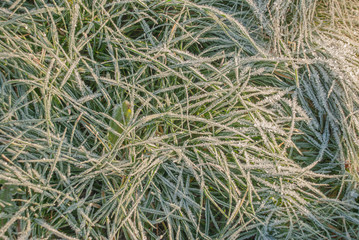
179	119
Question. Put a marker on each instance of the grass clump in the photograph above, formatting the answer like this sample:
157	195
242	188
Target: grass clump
177	120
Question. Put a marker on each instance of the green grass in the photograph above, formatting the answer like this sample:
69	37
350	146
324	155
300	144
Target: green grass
179	119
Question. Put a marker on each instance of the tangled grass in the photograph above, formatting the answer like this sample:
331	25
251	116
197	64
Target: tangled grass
179	119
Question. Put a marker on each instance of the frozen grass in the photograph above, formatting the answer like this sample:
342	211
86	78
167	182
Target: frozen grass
179	119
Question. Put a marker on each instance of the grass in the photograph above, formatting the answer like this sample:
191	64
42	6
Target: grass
179	119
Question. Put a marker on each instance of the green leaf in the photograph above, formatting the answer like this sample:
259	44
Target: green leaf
6	196
122	115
